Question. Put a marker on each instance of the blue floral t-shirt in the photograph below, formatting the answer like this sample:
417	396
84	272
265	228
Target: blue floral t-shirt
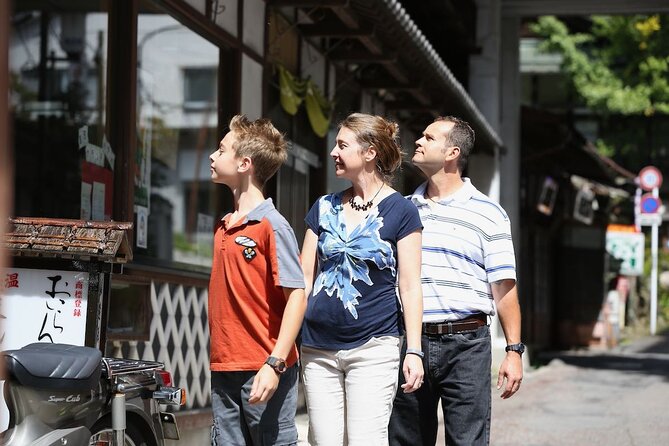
354	296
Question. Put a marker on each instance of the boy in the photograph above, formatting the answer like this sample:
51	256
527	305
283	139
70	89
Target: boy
256	296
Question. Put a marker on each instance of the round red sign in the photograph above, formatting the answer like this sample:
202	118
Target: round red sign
650	177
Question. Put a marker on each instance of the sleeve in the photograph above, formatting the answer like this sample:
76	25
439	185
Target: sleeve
288	257
410	220
499	255
312	218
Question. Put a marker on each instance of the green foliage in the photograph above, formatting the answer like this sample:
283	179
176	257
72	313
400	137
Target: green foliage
620	66
182	243
604	148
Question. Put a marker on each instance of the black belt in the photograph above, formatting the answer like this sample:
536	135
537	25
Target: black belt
468	324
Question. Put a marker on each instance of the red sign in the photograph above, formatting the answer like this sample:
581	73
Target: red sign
650	178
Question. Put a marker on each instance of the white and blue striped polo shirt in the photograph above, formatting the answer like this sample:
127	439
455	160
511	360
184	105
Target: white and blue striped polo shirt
466	247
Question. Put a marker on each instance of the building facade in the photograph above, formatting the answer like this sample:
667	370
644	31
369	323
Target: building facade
115	107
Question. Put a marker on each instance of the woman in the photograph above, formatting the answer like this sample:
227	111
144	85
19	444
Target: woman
361	246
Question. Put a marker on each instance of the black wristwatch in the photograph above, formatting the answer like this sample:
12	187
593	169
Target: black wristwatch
518	348
278	364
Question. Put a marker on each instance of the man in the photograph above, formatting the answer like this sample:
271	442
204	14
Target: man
467	263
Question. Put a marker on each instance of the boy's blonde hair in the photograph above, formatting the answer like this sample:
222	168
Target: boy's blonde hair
262	142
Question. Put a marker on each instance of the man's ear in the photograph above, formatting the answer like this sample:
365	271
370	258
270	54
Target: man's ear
453	153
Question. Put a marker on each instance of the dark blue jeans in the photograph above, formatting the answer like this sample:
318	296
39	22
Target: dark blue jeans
238	423
457	371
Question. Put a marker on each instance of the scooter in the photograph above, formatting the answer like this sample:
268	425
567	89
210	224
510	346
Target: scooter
61	394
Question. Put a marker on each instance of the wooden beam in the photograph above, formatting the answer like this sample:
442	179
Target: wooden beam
396	71
411	106
421	96
307	3
330	29
360	56
388	85
347	16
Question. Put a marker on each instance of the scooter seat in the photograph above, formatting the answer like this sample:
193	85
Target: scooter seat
44	365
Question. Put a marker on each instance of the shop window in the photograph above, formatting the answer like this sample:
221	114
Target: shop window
200	88
57	67
177	119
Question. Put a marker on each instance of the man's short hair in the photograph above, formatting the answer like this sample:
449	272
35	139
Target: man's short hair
461	135
262	142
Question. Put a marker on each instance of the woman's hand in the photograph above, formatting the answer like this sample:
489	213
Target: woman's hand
413	373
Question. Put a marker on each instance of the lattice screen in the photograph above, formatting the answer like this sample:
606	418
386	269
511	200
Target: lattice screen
179	339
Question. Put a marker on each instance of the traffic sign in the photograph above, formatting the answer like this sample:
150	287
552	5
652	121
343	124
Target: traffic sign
649	219
628	247
650	178
650	204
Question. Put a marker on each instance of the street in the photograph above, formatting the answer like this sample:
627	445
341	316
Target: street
597	397
614	397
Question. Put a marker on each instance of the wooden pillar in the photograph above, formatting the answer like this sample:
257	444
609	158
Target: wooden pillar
6	158
122	103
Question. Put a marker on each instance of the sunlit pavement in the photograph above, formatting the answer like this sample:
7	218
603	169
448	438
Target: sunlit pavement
592	397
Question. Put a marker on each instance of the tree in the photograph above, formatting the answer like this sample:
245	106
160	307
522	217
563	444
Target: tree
621	66
620	71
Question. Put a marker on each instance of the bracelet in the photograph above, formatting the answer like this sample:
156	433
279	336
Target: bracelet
413	351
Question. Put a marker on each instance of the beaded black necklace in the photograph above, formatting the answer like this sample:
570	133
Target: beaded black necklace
365	206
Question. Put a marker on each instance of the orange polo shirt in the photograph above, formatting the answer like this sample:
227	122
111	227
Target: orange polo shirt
253	260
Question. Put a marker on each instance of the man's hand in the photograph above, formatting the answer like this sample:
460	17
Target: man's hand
264	385
511	370
413	373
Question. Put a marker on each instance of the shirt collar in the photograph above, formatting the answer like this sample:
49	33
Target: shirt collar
461	196
259	212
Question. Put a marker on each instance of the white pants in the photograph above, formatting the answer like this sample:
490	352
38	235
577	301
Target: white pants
350	393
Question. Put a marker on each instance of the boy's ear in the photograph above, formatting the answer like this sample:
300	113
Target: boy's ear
245	164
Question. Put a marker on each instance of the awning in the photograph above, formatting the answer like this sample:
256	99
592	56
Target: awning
364	33
103	241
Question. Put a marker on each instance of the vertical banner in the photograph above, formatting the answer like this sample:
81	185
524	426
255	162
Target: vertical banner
43	306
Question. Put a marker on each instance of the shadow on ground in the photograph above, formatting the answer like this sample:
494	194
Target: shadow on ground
648	355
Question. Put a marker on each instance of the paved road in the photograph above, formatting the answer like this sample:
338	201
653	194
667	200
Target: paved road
614	397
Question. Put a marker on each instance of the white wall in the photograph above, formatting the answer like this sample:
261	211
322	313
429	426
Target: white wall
484	173
251	87
226	16
312	64
200	5
253	33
